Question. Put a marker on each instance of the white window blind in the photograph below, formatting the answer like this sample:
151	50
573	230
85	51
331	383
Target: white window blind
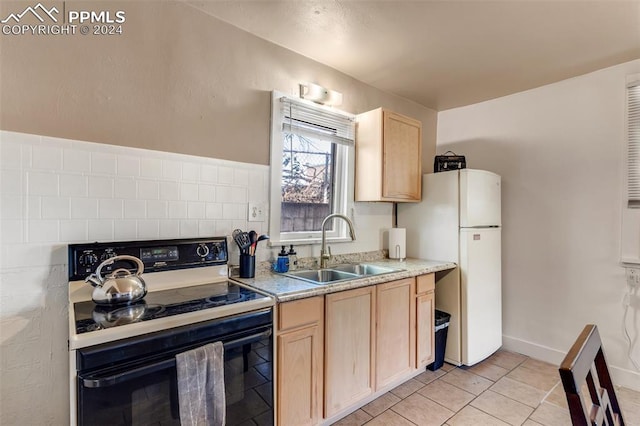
316	121
633	144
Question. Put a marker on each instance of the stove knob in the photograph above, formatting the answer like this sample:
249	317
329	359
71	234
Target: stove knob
107	255
202	250
88	259
216	251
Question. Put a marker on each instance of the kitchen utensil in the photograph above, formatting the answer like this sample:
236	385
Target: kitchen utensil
253	237
236	236
242	240
260	238
120	286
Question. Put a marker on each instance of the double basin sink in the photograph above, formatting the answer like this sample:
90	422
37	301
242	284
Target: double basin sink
340	273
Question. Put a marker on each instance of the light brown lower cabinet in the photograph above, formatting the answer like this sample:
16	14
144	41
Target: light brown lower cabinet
425	318
349	338
335	350
300	362
395	331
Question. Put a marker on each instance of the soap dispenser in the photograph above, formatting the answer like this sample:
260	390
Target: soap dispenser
282	264
293	259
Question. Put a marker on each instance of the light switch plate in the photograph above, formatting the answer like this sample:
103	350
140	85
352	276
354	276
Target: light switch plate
256	212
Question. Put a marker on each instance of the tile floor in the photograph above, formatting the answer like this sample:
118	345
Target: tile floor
505	389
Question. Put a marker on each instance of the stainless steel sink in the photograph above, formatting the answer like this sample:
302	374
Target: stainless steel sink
322	276
364	269
340	273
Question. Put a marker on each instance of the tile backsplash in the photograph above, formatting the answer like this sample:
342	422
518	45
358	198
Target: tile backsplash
54	192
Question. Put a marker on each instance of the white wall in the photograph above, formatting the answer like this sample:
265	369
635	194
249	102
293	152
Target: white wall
57	191
559	149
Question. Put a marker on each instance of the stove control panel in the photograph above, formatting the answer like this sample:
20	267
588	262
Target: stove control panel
157	255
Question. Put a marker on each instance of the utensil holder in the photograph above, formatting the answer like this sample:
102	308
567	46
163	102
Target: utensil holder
247	266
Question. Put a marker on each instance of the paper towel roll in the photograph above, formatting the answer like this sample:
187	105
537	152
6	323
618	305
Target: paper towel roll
397	243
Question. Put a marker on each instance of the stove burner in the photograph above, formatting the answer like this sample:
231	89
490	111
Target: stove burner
226	299
107	317
91	317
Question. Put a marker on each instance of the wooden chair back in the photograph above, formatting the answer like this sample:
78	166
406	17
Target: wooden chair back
585	365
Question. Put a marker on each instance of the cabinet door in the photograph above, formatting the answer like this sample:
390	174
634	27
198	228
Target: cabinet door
395	328
298	377
425	311
402	157
349	339
300	362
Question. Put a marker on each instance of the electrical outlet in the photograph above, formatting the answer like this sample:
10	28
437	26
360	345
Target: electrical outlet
256	212
633	277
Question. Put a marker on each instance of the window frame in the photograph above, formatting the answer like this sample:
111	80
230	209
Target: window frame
630	221
632	136
343	184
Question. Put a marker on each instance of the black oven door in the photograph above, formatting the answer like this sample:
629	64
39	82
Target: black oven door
145	392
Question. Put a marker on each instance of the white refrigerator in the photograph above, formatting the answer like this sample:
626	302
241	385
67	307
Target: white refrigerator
459	220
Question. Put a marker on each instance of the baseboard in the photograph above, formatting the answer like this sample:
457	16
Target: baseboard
620	376
533	350
364	401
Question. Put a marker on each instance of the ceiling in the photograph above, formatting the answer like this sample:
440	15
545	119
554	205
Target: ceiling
445	54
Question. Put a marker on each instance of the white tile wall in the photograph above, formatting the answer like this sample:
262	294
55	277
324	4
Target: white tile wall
67	191
214	211
55	192
127	166
225	175
101	186
47	158
135	209
81	208
103	163
74	185
148	189
157	209
151	167
55	207
171	170
41	183
76	160
209	173
189	192
125	188
170	191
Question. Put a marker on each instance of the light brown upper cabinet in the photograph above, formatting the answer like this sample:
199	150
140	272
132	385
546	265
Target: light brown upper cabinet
388	157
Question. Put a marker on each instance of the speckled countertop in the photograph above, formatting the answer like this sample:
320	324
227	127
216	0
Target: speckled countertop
286	289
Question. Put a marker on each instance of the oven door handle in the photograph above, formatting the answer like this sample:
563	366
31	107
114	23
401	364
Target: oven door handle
100	382
248	339
114	379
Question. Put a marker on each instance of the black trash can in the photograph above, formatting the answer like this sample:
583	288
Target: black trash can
441	326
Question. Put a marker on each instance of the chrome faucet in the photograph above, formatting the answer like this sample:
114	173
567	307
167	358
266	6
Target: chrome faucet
325	252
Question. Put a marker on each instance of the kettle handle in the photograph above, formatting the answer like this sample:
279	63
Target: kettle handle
111	260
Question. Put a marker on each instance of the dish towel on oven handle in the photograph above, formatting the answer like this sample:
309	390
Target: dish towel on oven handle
201	396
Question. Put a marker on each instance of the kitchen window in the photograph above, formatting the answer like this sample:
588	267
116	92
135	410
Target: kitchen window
311	155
